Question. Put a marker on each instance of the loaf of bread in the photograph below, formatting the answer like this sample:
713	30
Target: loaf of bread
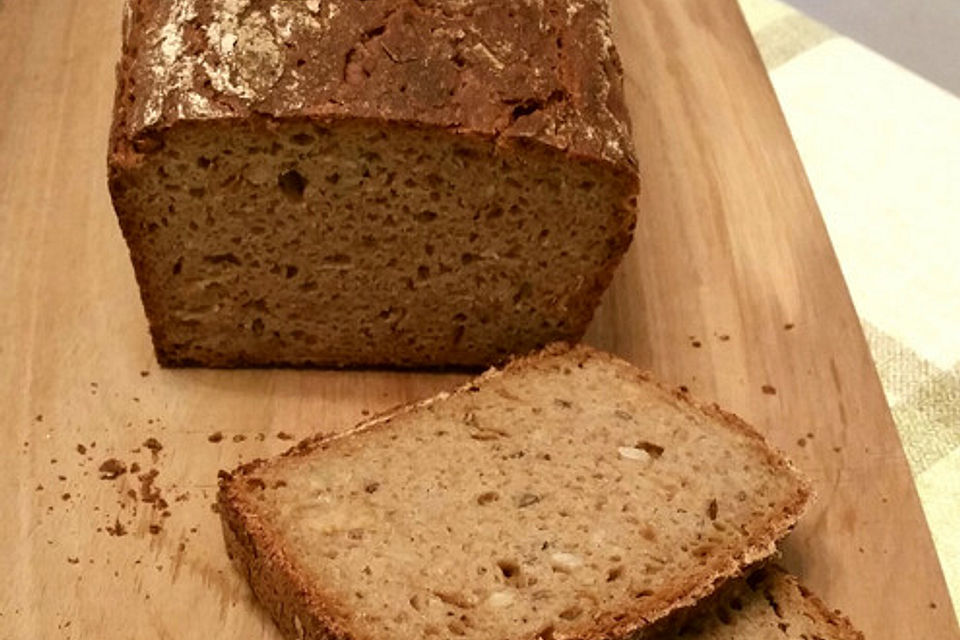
387	182
769	604
564	496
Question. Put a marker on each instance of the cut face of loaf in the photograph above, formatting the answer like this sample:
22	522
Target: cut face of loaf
567	496
380	183
359	243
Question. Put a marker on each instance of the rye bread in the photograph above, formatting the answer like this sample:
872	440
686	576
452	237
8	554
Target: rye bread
565	496
388	182
769	604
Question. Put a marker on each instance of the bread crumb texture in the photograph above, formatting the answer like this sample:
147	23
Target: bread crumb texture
508	509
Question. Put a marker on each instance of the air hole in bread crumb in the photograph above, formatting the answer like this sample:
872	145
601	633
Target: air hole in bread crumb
571	613
755	579
292	184
654	450
526	499
773	603
487	497
724	616
222	258
302	139
614	574
509	568
416	602
524	292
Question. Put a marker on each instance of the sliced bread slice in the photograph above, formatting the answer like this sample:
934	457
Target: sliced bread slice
565	496
769	604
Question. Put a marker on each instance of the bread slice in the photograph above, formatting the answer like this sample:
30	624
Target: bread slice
565	496
769	604
388	182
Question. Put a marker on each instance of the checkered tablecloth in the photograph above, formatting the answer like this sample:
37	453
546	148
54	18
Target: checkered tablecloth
882	149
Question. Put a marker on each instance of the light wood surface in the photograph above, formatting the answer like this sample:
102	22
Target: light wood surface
730	251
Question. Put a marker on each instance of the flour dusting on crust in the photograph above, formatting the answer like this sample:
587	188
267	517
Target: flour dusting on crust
545	70
167	64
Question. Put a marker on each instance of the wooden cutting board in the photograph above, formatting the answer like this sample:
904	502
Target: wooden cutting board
731	288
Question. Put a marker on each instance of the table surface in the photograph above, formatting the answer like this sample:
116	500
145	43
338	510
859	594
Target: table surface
731	288
879	145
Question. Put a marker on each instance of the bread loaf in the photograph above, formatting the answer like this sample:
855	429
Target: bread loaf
566	496
387	182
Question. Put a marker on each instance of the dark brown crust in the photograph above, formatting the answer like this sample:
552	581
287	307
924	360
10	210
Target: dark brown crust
541	71
263	561
274	580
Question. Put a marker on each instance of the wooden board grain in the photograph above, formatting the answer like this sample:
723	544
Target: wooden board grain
731	288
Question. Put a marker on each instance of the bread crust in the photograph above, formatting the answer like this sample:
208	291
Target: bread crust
545	72
260	557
